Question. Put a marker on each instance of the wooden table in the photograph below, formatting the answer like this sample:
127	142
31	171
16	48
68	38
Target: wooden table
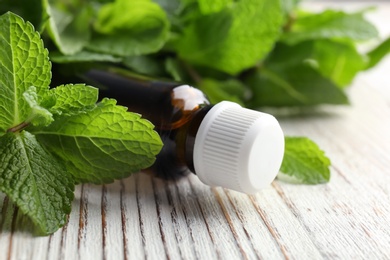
348	218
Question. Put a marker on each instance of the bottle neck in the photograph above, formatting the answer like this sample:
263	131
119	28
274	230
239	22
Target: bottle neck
188	135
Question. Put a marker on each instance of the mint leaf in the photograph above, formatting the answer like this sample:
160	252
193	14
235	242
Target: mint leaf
233	39
144	29
69	27
145	65
175	69
39	116
207	7
170	6
83	56
338	61
24	63
35	181
330	24
217	91
104	144
292	76
71	99
298	85
304	161
378	53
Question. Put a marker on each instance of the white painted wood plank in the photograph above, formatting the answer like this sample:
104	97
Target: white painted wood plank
290	235
176	238
133	242
189	211
113	244
66	241
27	247
345	219
150	230
242	216
55	245
90	230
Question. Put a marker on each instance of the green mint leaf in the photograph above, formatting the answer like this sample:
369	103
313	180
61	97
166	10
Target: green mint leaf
175	69
47	100
144	29
298	75
235	38
208	7
73	99
69	28
330	24
35	181
39	116
83	56
104	144
378	53
338	61
305	161
217	91
23	63
298	85
171	7
145	65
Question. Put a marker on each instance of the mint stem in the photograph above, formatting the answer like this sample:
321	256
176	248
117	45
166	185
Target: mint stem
290	22
192	72
18	127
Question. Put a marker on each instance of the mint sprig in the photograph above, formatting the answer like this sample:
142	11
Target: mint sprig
50	139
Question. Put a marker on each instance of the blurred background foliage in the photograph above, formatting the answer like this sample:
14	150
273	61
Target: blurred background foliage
259	53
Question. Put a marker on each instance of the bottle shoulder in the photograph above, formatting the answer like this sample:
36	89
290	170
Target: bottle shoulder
185	101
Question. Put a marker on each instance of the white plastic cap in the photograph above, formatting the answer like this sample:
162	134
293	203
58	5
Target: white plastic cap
238	148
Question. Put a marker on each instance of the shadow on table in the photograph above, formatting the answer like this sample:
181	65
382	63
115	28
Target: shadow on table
13	220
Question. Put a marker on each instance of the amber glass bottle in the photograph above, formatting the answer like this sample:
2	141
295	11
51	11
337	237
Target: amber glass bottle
223	144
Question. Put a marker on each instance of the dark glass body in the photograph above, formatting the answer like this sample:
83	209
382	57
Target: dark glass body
176	111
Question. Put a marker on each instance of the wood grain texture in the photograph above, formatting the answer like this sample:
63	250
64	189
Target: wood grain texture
145	218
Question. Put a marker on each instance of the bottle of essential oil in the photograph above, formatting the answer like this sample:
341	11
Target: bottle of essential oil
223	144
